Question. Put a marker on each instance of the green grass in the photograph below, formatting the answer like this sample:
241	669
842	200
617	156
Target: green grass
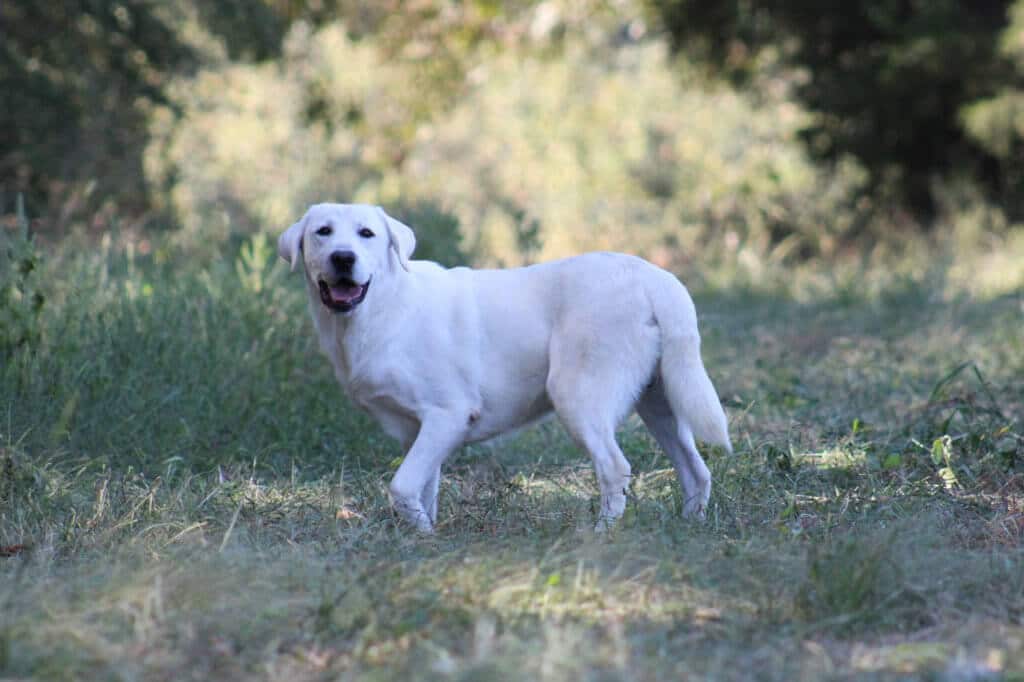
197	501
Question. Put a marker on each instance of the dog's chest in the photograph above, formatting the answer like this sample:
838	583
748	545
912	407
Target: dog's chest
383	399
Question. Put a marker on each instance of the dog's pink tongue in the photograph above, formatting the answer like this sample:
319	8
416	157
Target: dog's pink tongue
342	294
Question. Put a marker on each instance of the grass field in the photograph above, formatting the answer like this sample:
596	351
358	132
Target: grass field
184	494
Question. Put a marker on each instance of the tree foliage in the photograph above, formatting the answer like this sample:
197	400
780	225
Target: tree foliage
996	122
889	79
537	157
913	92
77	77
80	77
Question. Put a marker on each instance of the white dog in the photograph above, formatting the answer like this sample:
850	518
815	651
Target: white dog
442	358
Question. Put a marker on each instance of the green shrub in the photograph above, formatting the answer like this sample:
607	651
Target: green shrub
21	292
587	146
437	233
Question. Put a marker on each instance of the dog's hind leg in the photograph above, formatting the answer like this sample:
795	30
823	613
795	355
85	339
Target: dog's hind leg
592	389
612	467
676	438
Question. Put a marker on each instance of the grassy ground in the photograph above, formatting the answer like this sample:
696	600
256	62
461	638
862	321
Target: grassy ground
185	495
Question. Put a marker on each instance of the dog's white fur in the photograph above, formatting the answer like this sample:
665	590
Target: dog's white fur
444	357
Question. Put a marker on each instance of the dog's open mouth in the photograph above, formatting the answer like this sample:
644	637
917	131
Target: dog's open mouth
343	295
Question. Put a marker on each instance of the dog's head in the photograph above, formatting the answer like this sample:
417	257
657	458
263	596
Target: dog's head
344	248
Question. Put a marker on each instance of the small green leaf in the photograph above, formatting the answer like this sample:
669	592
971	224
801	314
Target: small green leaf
942	450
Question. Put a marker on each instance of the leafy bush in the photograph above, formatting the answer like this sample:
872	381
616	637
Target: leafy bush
616	152
21	294
437	233
996	122
589	146
79	80
888	79
256	144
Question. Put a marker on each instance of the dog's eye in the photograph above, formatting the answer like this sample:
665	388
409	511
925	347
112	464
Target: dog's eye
366	232
324	231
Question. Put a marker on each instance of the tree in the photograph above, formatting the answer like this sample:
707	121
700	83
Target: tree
888	79
77	75
996	123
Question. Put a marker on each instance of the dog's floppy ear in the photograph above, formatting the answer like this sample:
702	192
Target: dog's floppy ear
403	241
289	244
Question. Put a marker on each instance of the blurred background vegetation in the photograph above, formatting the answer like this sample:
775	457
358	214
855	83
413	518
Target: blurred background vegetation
839	184
744	133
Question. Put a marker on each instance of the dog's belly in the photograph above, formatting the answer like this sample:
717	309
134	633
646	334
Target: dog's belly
499	418
509	398
511	380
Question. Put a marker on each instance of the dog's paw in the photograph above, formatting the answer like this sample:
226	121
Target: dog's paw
695	509
416	516
605	523
423	524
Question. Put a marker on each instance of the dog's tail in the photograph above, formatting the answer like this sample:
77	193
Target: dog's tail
687	386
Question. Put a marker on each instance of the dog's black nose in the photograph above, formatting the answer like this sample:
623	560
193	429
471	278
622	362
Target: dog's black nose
343	260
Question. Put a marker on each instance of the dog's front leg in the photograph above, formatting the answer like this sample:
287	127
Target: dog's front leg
414	487
429	495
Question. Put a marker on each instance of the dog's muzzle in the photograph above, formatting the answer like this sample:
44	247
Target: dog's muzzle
344	295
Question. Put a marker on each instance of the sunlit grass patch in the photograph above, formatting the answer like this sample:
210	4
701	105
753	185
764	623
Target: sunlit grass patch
838	458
